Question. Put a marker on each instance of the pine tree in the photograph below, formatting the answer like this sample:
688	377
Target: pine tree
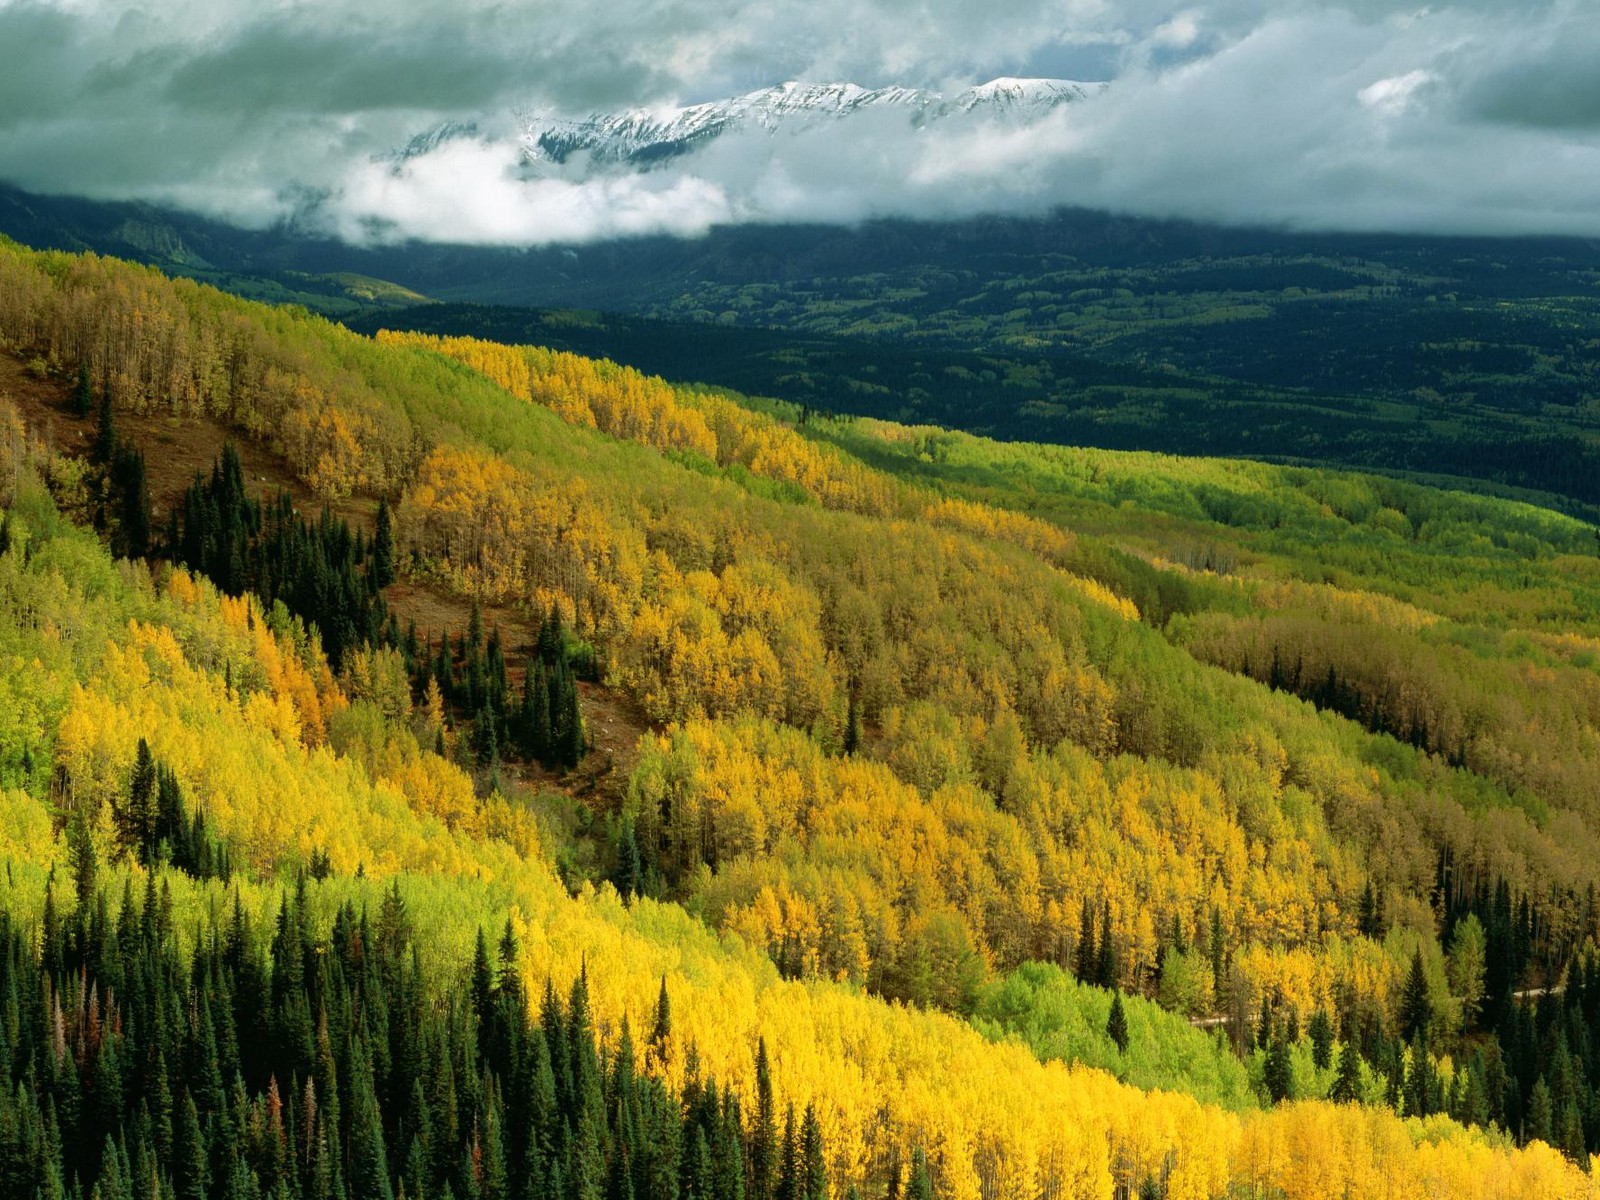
1347	1086
661	1031
1117	1023
1538	1125
83	395
1321	1031
628	875
1088	956
763	1138
136	816
814	1171
1416	1010
1279	1073
381	569
1107	969
920	1185
104	449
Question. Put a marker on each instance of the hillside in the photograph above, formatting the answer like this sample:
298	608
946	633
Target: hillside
929	726
1464	360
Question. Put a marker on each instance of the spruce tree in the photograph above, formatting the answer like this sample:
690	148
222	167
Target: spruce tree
1321	1031
920	1185
381	567
1088	955
813	1169
1107	969
1279	1073
1117	1023
1347	1086
1416	1010
104	449
83	395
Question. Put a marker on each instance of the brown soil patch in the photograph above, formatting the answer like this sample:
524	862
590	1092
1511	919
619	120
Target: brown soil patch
176	449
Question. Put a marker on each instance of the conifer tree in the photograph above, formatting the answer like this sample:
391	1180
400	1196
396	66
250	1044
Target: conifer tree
382	570
814	1171
1347	1086
920	1185
1279	1076
83	394
1117	1023
1088	960
104	449
1416	1010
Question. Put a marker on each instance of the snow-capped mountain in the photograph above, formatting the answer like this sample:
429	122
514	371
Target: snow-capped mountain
642	137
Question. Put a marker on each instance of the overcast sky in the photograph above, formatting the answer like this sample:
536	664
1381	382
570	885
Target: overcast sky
1476	116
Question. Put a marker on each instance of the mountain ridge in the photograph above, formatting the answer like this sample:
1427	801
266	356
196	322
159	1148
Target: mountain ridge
644	137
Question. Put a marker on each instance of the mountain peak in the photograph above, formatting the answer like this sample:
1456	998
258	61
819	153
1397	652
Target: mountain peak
641	138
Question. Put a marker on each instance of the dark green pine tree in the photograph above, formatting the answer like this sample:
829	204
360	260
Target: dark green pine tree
1416	1010
136	815
1219	950
1279	1074
764	1135
1117	1023
1321	1032
104	449
813	1168
534	714
85	865
83	394
130	494
572	746
381	566
1347	1085
920	1185
1539	1124
369	1164
852	727
1088	956
628	875
1107	969
189	1165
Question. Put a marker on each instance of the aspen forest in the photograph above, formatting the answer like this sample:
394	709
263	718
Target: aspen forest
482	772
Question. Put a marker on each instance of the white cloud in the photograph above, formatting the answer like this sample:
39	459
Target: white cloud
1366	114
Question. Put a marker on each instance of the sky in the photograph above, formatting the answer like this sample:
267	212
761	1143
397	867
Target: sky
1480	116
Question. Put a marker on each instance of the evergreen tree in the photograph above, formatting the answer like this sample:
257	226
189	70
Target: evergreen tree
813	1172
135	815
1347	1085
381	569
104	449
1088	956
83	394
1107	969
1416	1010
1321	1031
920	1185
1539	1124
1279	1074
1117	1023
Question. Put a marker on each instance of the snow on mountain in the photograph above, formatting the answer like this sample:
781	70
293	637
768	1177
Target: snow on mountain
644	137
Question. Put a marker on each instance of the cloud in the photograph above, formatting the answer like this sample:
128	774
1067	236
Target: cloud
1367	114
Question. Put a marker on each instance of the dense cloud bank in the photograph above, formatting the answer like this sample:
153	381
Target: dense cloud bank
1371	115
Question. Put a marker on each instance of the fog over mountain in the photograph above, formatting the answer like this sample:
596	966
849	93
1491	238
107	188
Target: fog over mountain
502	124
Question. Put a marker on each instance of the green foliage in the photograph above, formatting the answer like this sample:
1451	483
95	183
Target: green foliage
1060	1018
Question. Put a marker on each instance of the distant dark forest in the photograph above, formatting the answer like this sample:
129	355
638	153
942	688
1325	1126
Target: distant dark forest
1453	358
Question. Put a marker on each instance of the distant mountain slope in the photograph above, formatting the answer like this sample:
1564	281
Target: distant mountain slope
1463	358
642	137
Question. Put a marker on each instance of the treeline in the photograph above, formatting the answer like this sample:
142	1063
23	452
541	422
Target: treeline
308	1061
